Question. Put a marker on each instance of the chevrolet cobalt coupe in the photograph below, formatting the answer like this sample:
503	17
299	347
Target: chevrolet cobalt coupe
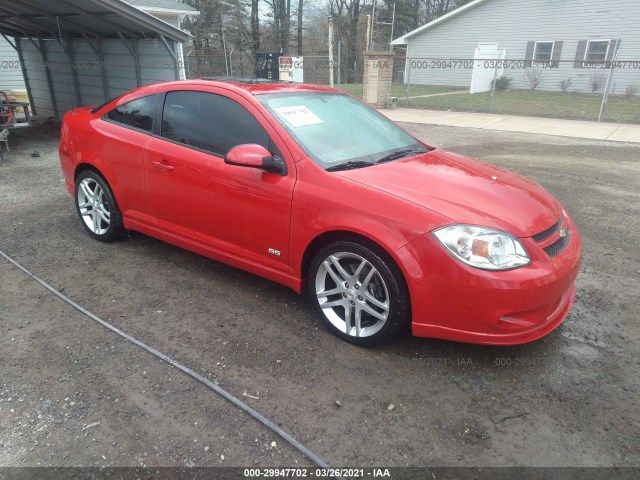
309	187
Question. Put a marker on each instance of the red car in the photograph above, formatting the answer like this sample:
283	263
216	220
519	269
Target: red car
309	187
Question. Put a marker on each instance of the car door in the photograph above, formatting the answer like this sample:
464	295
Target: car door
125	131
242	212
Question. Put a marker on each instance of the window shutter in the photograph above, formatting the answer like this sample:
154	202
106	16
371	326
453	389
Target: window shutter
557	51
612	49
529	55
580	51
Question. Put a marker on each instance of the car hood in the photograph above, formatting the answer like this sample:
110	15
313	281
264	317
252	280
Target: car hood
466	191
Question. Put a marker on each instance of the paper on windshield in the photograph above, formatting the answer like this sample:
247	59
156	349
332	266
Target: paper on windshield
299	116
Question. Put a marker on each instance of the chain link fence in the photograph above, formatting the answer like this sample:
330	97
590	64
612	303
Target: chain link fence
587	84
591	87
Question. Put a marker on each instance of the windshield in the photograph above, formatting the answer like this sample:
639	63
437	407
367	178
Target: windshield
339	132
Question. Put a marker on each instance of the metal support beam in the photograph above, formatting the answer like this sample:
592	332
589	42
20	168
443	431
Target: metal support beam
24	21
174	54
95	49
87	14
74	25
74	73
30	38
47	71
103	70
9	41
10	30
25	77
136	59
134	53
18	27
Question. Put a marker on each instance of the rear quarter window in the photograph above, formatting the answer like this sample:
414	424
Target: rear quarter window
138	113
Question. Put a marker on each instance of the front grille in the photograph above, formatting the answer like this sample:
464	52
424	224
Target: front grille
556	248
539	237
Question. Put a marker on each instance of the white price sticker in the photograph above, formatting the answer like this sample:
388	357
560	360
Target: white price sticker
299	116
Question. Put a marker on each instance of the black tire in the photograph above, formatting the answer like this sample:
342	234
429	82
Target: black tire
385	286
97	207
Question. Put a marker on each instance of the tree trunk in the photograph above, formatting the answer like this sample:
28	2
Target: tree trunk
353	42
300	2
255	29
285	26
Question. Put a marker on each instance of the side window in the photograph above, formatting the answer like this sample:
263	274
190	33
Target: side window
543	52
210	122
137	113
597	51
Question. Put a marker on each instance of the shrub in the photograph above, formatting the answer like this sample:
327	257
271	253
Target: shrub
502	83
597	81
533	78
631	91
565	84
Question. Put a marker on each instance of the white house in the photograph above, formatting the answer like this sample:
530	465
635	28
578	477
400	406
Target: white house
557	39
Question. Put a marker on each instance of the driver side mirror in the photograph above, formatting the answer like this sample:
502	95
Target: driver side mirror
255	156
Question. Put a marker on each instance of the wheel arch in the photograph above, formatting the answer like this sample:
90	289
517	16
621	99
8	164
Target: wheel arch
85	166
103	172
331	236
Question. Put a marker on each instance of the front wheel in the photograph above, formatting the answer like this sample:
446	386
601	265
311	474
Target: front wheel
97	207
360	294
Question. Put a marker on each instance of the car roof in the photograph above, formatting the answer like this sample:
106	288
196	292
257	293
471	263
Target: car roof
255	86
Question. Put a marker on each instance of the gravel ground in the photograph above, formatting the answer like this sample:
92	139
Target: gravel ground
74	394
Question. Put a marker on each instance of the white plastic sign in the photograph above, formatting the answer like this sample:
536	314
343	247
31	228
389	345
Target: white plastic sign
299	116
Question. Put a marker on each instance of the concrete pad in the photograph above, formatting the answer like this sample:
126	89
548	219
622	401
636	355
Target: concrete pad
626	133
552	126
515	123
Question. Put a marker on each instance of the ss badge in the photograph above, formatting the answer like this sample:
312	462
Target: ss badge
275	252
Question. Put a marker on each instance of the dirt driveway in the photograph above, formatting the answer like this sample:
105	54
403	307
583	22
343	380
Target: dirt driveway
74	394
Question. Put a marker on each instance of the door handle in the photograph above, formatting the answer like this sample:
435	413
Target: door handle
163	166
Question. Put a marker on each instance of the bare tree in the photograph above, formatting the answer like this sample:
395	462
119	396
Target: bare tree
346	14
533	78
300	5
255	28
280	11
597	81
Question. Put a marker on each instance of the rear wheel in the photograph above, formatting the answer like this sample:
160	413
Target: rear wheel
97	207
360	294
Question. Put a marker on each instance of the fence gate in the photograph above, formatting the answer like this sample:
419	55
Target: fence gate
487	66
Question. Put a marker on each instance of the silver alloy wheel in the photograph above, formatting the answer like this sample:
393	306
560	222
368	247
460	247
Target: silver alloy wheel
94	206
352	294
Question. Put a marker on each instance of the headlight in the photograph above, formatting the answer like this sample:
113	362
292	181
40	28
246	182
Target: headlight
483	247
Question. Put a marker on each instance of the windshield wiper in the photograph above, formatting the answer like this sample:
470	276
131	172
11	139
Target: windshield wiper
397	154
349	165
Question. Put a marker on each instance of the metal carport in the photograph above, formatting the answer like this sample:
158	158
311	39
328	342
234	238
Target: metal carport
83	52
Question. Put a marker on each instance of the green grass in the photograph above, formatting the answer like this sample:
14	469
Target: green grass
515	102
535	104
400	91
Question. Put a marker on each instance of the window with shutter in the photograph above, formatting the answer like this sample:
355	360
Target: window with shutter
596	51
542	52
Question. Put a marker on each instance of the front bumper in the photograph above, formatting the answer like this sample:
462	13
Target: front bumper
454	301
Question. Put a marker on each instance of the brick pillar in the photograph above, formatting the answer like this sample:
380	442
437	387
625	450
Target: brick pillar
378	70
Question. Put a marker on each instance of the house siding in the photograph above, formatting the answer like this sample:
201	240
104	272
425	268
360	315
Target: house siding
513	24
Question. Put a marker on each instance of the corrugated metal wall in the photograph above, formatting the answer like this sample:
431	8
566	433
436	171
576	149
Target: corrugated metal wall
10	71
97	80
512	24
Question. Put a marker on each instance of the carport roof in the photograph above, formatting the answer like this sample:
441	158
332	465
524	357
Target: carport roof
169	6
81	18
